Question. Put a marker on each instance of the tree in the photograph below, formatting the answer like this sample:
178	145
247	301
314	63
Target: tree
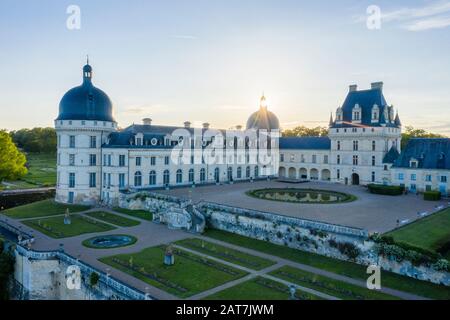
35	140
411	132
302	131
12	161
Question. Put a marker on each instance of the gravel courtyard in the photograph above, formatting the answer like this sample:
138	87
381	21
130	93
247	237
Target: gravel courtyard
371	212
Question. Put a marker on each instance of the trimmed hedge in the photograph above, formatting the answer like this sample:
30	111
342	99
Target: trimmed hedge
386	190
432	196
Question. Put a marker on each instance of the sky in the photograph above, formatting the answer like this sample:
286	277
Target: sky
210	60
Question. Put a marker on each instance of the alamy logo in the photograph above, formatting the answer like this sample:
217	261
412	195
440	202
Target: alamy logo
374	280
73	276
374	17
73	21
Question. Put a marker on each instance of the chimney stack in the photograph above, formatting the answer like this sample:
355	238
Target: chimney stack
353	87
377	85
239	127
206	125
147	121
187	124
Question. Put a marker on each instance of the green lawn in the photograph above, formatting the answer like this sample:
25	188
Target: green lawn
41	209
141	214
191	274
54	227
227	254
352	270
430	233
259	289
329	286
113	219
41	172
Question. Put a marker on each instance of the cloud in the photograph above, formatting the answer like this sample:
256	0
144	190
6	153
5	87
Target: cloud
434	15
145	109
184	37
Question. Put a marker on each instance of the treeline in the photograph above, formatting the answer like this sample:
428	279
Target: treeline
408	133
41	140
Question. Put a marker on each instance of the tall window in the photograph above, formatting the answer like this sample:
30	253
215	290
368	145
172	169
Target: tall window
152	178
325	159
121	180
373	176
355	146
191	175
338	174
71	180
230	173
92	160
239	172
92	180
93	142
152	161
71	159
256	172
374	160
202	175
339	145
138	161
338	159
179	176
281	157
355	160
374	145
247	172
217	174
121	160
138	179
166	160
166	177
72	141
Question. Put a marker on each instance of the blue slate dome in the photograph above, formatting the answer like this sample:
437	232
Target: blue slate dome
263	119
86	102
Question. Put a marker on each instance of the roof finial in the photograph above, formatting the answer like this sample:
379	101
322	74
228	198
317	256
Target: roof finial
87	59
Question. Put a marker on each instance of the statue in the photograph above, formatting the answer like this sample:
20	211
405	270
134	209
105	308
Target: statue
292	292
169	258
67	220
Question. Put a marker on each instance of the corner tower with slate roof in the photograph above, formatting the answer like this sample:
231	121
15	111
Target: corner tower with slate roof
365	135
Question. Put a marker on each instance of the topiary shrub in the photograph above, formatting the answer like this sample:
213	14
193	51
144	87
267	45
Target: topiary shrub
386	190
432	196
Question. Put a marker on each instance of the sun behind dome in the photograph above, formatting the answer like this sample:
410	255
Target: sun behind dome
263	119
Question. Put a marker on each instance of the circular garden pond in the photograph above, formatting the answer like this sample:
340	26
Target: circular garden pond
110	241
296	195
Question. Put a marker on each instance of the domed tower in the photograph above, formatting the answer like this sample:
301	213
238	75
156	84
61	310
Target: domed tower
263	119
84	122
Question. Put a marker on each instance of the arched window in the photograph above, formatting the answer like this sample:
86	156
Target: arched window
217	174
230	173
191	175
152	178
179	176
239	172
247	172
166	177
202	175
138	179
256	172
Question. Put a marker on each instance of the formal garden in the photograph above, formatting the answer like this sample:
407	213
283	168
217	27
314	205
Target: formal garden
141	214
297	195
261	288
113	219
226	254
190	274
345	268
42	208
58	227
336	288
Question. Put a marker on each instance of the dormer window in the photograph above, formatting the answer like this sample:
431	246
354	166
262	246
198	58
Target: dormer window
375	113
138	140
413	163
356	113
339	115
